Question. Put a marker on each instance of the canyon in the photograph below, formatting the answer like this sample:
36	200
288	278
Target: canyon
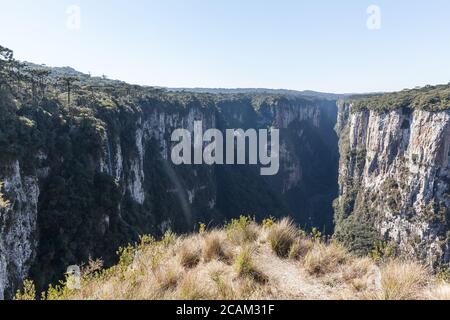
86	177
95	178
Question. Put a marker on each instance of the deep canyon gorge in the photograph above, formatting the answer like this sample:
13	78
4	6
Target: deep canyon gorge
87	176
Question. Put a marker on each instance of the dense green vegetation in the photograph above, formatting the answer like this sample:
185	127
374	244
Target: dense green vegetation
429	98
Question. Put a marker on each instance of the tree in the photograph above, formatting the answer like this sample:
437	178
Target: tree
10	70
6	57
68	83
37	77
6	65
19	76
42	76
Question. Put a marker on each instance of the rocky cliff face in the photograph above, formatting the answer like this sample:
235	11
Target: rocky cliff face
98	180
17	227
395	177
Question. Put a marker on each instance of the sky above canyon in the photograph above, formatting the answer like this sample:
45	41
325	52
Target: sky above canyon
331	46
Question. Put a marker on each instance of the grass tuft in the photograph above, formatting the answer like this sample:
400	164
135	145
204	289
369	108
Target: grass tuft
214	248
325	258
245	267
403	280
282	236
190	256
167	277
190	288
224	290
241	231
300	248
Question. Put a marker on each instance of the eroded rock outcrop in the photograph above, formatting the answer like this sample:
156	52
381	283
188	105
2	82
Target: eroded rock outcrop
395	176
17	226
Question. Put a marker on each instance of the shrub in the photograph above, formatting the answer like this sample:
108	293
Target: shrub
269	222
169	238
54	293
201	228
443	273
28	292
281	237
92	269
316	235
383	250
357	234
242	230
126	256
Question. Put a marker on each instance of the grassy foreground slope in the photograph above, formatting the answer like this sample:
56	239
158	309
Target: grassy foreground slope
245	260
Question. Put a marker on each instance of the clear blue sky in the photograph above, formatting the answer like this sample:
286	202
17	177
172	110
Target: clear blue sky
319	45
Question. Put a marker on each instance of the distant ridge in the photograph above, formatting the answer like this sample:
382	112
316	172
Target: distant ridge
57	72
308	93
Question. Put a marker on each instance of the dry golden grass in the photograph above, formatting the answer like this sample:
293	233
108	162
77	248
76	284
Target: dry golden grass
245	266
357	269
241	231
361	274
300	248
282	236
325	258
167	277
440	292
190	255
403	280
211	265
190	288
224	288
215	248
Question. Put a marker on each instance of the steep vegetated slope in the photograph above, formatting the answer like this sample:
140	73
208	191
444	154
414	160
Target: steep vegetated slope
86	166
395	173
